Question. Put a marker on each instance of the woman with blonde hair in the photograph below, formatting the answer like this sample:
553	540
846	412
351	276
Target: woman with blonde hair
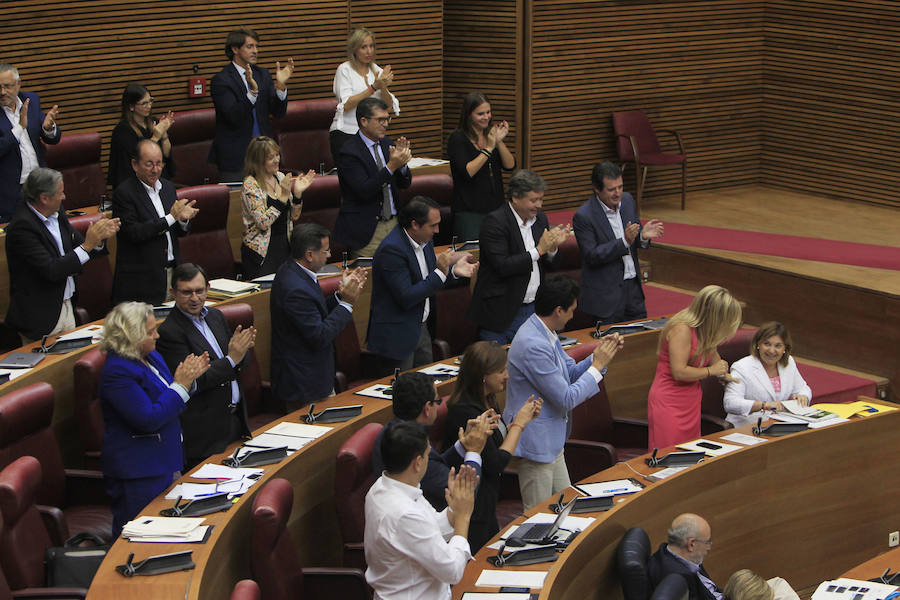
358	78
141	401
270	203
687	354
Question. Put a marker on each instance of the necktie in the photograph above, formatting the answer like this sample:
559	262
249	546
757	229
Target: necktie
385	188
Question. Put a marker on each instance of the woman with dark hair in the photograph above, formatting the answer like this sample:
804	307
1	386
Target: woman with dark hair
478	158
137	124
482	375
766	378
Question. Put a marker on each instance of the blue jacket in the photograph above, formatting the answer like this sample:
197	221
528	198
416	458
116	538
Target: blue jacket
142	434
398	295
11	155
539	367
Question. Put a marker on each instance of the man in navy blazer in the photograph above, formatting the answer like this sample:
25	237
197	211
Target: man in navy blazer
689	541
306	323
517	244
609	232
371	170
406	275
244	96
44	253
22	129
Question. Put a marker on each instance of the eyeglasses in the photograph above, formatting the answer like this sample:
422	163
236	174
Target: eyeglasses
381	120
9	86
436	402
145	102
707	542
149	164
189	293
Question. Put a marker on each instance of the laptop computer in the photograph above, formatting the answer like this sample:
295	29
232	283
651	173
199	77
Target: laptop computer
537	533
20	360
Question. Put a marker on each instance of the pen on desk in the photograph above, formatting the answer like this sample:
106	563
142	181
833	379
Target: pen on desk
615	490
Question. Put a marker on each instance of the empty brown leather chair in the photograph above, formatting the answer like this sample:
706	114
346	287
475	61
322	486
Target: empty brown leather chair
77	157
438	187
25	430
86	377
207	243
273	554
245	589
302	134
94	283
352	479
712	411
191	135
321	203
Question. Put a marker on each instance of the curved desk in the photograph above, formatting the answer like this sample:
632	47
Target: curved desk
804	506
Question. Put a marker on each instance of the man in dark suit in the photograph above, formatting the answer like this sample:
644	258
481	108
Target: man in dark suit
22	128
371	170
609	232
415	399
306	323
405	277
44	252
216	414
152	218
244	96
517	244
689	541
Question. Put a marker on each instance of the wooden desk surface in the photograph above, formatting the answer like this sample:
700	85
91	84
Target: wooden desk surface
804	507
875	567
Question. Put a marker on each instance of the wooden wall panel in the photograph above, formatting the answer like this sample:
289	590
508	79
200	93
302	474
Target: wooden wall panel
695	66
832	98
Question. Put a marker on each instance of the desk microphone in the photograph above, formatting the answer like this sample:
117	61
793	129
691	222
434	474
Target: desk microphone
344	264
453	243
653	461
758	428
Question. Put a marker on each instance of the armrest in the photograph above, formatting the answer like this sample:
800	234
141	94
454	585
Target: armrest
334	582
85	486
355	556
712	424
440	349
586	457
630	433
81	316
340	382
634	147
677	138
56	593
55	522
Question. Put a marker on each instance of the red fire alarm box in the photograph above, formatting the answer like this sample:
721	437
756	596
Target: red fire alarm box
196	87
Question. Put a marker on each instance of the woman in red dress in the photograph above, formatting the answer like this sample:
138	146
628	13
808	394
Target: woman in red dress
687	353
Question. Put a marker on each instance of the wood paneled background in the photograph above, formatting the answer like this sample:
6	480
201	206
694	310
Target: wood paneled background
803	94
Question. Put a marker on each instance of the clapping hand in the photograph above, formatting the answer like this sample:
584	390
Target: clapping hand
530	410
352	283
191	368
161	129
384	79
183	209
606	349
49	118
302	182
652	230
282	74
241	342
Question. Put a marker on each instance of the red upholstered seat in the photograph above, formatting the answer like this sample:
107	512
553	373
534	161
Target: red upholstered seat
352	479
273	554
94	283
77	157
86	376
191	135
439	188
568	264
321	203
712	417
636	142
451	323
207	243
302	134
246	589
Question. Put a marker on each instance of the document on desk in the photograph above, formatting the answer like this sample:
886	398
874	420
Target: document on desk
272	440
710	447
852	589
667	472
495	596
379	390
570	524
743	438
213	471
498	578
789	418
165	529
192	491
441	370
300	430
14	373
95	332
609	488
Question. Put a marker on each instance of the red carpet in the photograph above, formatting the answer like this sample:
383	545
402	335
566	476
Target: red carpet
787	246
832	386
661	302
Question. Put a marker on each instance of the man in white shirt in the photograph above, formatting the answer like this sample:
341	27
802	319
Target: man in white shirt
412	551
153	218
609	232
22	128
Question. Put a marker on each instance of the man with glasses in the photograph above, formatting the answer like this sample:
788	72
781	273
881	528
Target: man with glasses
153	218
216	414
306	323
22	129
371	169
689	541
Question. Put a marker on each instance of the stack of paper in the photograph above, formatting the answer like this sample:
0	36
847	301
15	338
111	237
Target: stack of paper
852	589
165	529
496	578
214	471
229	288
292	435
192	491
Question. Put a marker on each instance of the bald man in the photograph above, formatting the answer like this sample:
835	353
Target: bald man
690	540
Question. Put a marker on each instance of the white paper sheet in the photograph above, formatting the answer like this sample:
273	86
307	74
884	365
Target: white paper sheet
609	488
300	430
441	369
213	471
710	447
743	438
375	391
497	578
271	440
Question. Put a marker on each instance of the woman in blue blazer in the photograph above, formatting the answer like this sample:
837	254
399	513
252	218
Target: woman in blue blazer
141	401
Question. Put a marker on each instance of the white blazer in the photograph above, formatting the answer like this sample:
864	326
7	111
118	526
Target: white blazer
755	386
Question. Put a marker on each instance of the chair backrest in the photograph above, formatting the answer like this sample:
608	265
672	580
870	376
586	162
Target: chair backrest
207	244
321	203
568	264
77	157
245	589
352	479
95	280
732	349
436	433
191	135
672	587
23	539
25	430
438	187
592	419
451	324
86	375
273	555
632	556
636	124
303	135
251	380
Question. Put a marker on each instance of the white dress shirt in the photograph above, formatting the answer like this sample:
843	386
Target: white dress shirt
528	239
52	225
410	548
26	149
156	201
419	251
615	221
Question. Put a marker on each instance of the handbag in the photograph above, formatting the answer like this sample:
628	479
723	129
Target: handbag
70	565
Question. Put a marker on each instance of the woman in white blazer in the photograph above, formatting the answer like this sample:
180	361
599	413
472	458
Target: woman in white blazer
766	378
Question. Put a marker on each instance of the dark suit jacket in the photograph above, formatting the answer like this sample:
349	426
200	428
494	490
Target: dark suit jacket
11	155
140	272
361	196
663	563
398	296
207	418
602	269
234	121
141	435
37	272
303	339
504	270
